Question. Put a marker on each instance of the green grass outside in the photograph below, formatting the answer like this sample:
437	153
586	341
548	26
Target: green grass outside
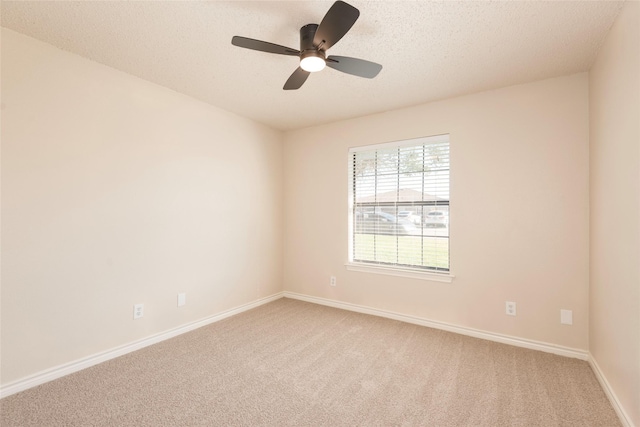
409	250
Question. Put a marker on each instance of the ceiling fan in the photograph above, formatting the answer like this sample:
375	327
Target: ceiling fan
314	42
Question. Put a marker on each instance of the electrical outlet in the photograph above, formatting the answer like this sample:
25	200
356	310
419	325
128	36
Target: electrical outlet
332	282
566	317
511	308
138	311
182	299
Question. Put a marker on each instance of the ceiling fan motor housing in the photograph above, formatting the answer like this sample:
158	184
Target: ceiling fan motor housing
307	33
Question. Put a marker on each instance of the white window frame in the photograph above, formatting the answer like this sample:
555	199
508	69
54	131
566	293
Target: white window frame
401	271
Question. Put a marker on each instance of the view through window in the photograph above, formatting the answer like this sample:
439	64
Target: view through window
400	204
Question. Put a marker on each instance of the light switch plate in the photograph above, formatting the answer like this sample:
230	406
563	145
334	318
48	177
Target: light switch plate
566	317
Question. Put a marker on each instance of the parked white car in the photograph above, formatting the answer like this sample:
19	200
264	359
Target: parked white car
436	219
383	223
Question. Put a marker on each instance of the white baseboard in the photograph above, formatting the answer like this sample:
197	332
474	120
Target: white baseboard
463	330
624	418
77	365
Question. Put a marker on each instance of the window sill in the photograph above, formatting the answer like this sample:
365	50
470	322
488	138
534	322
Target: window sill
401	272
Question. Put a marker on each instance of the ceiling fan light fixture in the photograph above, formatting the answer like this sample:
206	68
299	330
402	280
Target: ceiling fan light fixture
312	61
314	41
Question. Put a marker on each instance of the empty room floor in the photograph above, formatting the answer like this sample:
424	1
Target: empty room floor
295	363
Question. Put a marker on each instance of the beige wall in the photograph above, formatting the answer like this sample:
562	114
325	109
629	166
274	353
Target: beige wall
116	191
519	211
614	89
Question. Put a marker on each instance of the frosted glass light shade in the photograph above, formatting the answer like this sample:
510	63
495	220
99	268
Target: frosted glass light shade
312	63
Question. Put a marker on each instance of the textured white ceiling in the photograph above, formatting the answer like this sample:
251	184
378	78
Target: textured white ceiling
429	50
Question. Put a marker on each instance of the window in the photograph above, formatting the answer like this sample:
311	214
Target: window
399	205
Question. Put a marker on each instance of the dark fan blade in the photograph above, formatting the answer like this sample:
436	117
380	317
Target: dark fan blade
335	24
355	66
263	46
296	80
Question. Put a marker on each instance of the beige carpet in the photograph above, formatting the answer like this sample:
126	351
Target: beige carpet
295	363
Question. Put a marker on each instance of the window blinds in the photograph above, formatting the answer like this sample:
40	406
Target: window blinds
400	204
